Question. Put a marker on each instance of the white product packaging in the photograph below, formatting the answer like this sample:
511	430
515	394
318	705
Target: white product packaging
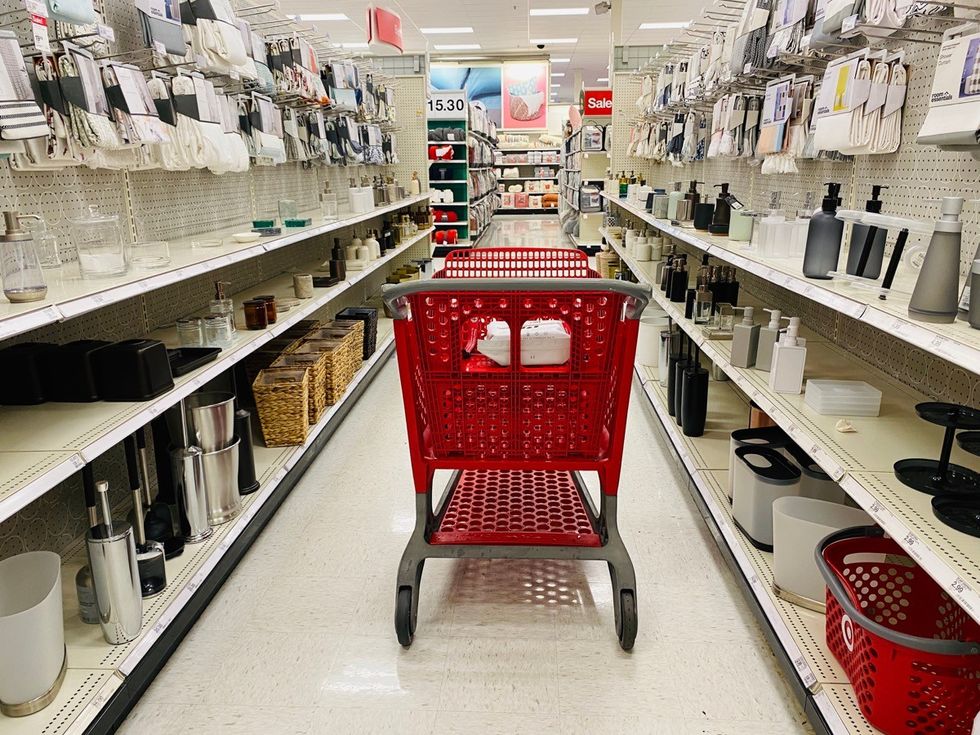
543	342
954	106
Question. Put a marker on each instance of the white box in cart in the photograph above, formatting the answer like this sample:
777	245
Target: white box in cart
543	342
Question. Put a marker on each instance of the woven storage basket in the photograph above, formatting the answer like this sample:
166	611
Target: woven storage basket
316	363
299	329
356	328
369	316
351	360
337	356
282	397
270	351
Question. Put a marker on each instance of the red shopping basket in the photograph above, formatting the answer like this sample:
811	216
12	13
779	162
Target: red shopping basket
911	653
516	429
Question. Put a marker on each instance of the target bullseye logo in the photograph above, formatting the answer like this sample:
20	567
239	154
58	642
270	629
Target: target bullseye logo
847	630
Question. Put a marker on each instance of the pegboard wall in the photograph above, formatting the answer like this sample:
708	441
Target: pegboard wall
917	175
413	153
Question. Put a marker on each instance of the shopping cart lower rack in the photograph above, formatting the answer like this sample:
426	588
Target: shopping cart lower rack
517	428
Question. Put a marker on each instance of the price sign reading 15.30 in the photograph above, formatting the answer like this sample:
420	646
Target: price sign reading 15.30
447	105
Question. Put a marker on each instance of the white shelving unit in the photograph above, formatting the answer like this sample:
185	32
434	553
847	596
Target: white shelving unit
861	461
70	295
956	342
96	670
49	442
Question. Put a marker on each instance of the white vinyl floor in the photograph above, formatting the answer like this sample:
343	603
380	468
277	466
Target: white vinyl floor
301	640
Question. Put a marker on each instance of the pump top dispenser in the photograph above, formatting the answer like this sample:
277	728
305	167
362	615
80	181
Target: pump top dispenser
723	211
20	267
859	237
934	298
823	239
745	339
693	195
672	199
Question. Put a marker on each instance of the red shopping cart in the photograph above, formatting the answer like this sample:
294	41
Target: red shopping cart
517	432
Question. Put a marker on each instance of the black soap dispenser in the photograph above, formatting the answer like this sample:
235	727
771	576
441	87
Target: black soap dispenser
723	211
823	237
859	237
693	195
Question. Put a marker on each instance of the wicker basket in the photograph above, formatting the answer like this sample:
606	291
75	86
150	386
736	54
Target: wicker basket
299	329
338	358
269	352
353	340
282	397
351	326
315	362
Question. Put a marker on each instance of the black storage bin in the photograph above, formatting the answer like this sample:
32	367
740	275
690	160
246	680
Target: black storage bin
69	371
22	374
368	315
133	370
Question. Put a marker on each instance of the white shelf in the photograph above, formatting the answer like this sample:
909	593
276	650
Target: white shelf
801	632
95	668
48	442
861	461
69	295
957	342
436	205
432	184
527	209
527	178
512	148
580	244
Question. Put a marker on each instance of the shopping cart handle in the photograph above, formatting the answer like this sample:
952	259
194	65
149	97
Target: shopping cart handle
929	645
394	295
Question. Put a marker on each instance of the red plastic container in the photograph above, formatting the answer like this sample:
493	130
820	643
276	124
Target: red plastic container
911	653
517	263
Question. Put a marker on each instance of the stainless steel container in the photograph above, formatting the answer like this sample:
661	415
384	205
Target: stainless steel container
192	497
210	420
112	556
221	483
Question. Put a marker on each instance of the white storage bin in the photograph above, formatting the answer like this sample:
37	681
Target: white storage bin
762	475
769	436
543	342
799	524
814	483
842	397
652	321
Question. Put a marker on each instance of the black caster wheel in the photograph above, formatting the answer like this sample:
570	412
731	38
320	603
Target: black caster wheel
626	628
404	621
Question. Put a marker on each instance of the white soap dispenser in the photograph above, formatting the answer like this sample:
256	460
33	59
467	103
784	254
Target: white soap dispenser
768	336
788	361
745	339
351	250
373	246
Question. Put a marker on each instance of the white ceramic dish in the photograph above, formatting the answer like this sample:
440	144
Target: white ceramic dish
246	236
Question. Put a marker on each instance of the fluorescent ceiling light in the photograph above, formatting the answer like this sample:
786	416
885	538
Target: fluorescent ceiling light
664	26
459	29
553	41
359	44
320	16
559	11
559	61
456	46
555	85
557	73
602	79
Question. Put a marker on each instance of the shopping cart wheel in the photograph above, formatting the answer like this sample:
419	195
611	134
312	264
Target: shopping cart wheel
404	620
626	626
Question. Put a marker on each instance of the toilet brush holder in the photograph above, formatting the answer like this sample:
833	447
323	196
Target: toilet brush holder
247	481
32	634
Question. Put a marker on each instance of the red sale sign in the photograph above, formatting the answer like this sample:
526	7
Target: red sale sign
384	27
597	103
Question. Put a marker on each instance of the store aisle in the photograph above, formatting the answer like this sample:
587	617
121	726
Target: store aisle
523	231
301	640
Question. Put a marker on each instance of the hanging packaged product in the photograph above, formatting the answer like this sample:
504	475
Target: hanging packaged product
777	107
845	88
828	16
20	116
749	48
160	21
953	121
797	126
786	29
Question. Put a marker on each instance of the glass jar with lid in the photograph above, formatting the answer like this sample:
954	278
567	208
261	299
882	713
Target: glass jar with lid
98	239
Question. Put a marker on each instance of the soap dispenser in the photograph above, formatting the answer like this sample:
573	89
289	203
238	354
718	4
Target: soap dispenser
934	297
693	195
675	196
823	237
723	211
745	339
373	246
20	267
788	361
338	258
768	336
859	236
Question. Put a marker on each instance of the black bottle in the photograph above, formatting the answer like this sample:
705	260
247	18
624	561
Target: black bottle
338	261
676	355
694	397
703	215
823	237
859	236
678	288
723	211
693	196
668	272
679	369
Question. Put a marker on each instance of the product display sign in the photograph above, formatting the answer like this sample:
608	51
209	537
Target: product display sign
447	105
597	103
385	28
525	96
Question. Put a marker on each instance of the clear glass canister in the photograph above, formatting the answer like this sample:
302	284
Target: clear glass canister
218	330
98	239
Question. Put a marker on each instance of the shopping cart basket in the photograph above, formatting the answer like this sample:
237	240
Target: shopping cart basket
517	435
